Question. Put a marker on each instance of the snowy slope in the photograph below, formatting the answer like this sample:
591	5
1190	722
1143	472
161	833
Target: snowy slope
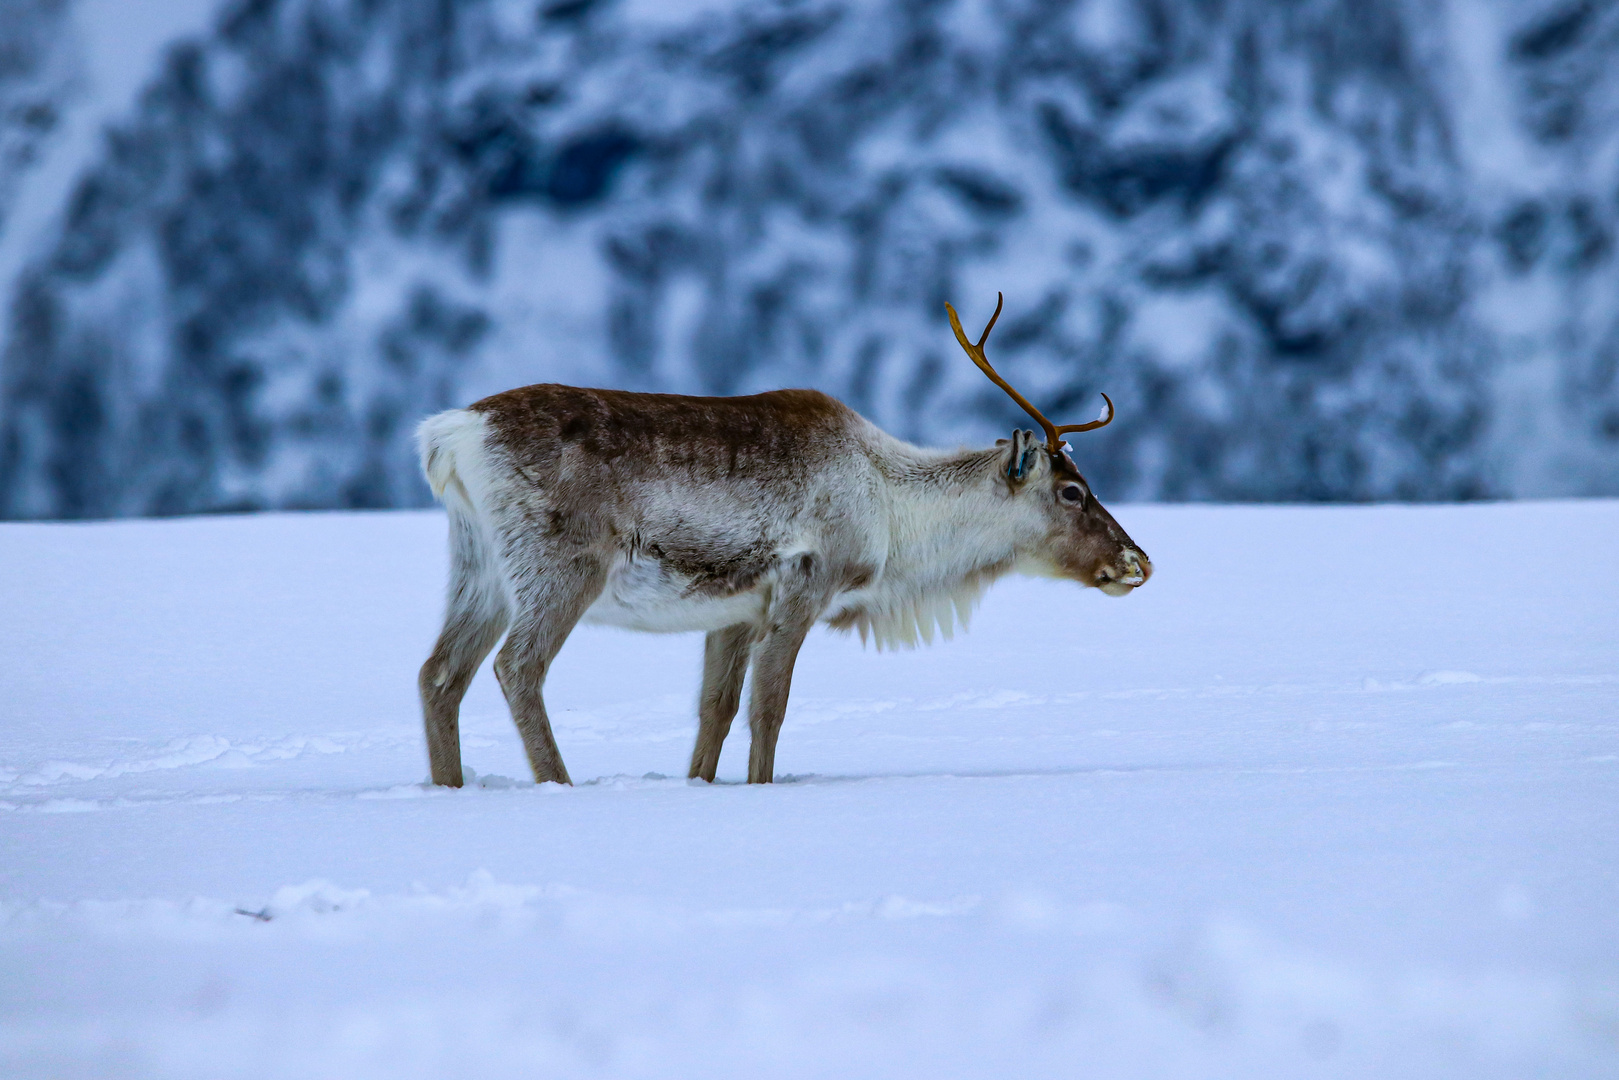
1318	251
68	69
1336	794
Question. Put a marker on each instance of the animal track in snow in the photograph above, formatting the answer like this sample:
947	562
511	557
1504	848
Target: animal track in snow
193	751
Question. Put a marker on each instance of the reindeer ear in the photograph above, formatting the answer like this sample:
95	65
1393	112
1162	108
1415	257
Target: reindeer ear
1024	455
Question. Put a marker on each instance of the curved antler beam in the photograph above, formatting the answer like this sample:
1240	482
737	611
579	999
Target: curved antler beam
976	353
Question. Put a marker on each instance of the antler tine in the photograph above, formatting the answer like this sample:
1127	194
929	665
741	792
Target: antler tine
1094	424
976	352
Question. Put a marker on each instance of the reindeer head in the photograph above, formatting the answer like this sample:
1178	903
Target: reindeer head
1082	541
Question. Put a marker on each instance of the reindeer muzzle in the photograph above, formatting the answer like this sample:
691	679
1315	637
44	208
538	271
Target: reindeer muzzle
1129	571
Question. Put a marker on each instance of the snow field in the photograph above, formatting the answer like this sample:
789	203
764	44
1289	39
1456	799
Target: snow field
1335	794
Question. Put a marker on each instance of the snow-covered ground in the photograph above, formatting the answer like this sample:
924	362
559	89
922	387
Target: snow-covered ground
1336	794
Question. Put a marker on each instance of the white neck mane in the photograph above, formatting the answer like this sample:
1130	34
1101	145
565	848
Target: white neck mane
949	540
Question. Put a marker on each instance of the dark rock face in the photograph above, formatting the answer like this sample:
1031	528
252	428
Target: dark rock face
1264	229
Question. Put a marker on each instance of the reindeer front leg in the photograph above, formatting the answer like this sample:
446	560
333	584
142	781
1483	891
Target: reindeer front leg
725	664
798	600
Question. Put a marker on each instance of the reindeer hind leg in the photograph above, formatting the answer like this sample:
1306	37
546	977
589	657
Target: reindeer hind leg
474	619
549	604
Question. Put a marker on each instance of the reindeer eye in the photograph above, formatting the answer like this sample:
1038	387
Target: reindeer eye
1073	493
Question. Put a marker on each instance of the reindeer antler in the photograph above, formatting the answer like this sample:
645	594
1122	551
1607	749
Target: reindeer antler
1053	432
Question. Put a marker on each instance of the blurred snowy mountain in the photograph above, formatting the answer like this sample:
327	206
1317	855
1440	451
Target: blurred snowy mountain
1316	250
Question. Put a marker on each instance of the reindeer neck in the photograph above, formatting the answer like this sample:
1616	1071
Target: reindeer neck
949	537
948	515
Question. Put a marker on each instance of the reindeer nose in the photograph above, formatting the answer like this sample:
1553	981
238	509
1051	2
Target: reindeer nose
1131	569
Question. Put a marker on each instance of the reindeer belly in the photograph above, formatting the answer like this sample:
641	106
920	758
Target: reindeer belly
644	594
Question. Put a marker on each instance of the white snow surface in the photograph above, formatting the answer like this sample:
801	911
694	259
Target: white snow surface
1336	794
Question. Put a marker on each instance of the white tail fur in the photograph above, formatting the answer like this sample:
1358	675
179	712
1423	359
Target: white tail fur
448	443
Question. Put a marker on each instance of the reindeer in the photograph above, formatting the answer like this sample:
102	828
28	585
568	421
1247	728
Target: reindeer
750	518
